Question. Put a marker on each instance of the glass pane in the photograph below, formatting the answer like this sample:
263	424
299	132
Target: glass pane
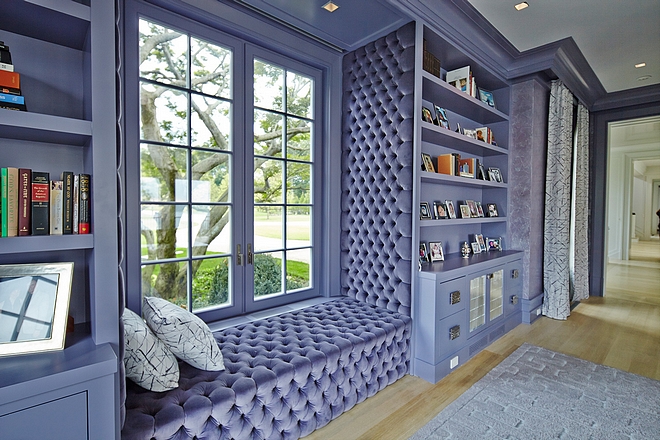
267	274
211	68
268	181
268	224
477	302
496	294
298	226
163	54
163	114
299	95
166	280
211	283
211	176
298	269
164	232
299	134
210	123
298	177
268	134
211	229
268	86
163	172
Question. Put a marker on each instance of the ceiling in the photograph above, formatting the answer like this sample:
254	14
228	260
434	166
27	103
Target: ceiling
613	35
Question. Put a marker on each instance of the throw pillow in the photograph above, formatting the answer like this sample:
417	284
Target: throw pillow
149	363
186	335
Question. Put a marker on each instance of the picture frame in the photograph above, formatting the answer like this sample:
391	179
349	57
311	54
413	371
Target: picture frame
423	253
492	210
441	117
34	307
476	248
435	251
487	97
481	241
465	211
494	244
473	208
427	116
427	163
480	210
459	130
425	211
495	174
481	134
451	211
439	210
481	172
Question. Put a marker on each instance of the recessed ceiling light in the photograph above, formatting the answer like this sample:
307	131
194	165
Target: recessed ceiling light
521	6
640	65
644	78
330	7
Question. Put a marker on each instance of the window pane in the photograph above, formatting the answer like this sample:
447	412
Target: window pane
167	280
298	226
268	133
211	68
211	229
298	183
164	232
268	224
298	269
268	86
299	134
163	173
299	95
163	114
267	274
211	123
163	54
210	176
210	284
267	181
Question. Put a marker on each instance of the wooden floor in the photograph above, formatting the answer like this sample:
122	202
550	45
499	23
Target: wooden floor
621	329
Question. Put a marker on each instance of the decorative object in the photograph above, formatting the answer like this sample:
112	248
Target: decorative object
427	163
476	248
451	211
495	175
435	251
465	211
487	97
494	244
427	116
425	211
465	250
492	210
439	210
34	307
423	253
482	242
441	118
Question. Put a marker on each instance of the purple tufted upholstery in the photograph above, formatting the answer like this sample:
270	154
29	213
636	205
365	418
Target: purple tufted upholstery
377	171
285	376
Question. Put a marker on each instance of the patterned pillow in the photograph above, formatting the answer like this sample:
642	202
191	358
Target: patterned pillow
149	363
189	338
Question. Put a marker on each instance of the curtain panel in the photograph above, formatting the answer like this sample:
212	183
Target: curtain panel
580	272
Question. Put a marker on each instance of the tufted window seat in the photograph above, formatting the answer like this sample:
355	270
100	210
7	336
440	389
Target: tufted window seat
284	376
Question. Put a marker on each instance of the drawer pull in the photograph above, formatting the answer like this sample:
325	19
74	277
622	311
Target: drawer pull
514	273
454	332
455	297
514	299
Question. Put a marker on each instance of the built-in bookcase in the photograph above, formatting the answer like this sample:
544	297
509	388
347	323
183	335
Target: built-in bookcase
64	51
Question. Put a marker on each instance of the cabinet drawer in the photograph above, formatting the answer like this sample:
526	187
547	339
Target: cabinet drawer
450	297
512	287
449	335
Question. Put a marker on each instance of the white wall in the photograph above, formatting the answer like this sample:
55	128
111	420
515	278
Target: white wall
615	186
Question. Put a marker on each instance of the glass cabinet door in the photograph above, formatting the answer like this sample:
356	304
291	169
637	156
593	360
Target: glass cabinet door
477	302
496	294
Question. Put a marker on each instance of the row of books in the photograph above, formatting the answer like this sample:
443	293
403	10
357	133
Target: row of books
463	80
454	165
32	204
11	96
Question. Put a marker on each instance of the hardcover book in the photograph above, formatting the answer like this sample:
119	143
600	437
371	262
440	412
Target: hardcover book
3	202
84	213
76	203
67	201
461	79
40	202
12	202
56	216
24	201
10	79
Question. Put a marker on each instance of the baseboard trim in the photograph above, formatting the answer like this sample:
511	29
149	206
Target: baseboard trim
531	309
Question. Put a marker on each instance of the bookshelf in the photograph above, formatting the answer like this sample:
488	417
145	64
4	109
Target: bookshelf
487	278
64	51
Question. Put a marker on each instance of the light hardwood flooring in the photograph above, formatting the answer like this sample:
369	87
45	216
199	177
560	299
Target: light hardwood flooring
621	330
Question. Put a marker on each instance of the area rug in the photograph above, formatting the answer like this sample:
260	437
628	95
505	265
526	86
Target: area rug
539	394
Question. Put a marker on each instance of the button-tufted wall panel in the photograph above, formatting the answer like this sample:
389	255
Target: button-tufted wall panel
377	171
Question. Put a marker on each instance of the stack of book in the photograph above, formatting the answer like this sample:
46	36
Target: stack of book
463	80
10	82
453	165
32	204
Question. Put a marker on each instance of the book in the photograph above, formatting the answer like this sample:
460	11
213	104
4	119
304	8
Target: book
446	163
10	79
7	67
67	202
24	201
5	55
56	205
12	202
460	78
40	201
7	98
76	202
84	208
3	202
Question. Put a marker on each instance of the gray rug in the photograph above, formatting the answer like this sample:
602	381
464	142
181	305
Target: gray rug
539	394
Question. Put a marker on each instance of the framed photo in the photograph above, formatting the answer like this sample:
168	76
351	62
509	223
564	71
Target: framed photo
34	307
423	253
458	128
481	134
481	173
480	209
487	97
435	251
473	208
494	244
427	163
439	210
492	210
425	211
476	248
465	211
451	212
481	241
495	174
441	117
427	116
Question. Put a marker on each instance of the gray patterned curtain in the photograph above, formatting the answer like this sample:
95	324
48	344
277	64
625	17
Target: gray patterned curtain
557	228
580	272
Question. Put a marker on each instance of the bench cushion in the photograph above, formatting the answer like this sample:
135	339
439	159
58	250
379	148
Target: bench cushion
284	376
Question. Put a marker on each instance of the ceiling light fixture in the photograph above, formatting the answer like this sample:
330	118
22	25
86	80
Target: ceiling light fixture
644	78
330	7
639	65
521	6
